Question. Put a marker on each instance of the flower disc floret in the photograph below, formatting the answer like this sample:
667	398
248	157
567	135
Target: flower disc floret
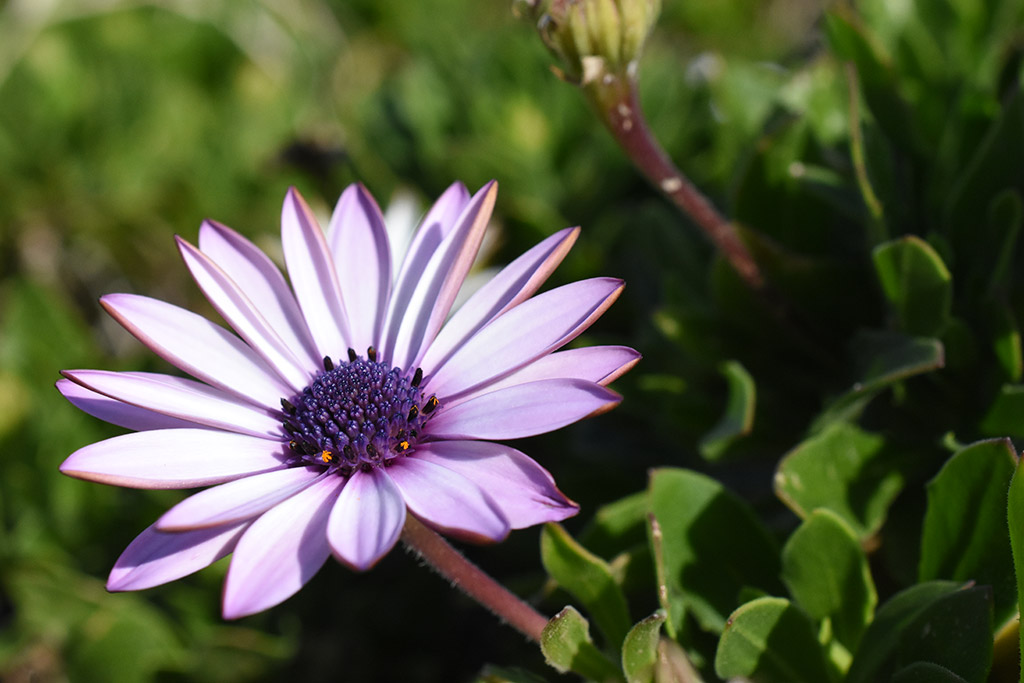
359	414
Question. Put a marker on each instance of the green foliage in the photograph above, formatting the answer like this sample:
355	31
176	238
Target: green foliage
640	649
826	572
869	154
770	640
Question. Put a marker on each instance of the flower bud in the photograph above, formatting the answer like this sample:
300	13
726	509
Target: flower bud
592	37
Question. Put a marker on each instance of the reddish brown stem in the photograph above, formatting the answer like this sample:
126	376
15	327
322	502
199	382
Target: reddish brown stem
472	580
615	98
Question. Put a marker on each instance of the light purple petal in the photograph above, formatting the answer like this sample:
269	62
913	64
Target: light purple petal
281	551
439	281
523	334
174	458
313	276
514	284
522	410
523	490
359	242
240	312
367	519
185	399
431	232
263	282
601	364
237	500
201	348
448	501
116	412
155	557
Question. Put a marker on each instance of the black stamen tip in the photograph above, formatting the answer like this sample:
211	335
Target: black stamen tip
431	405
328	363
417	377
352	356
288	407
371	354
413	412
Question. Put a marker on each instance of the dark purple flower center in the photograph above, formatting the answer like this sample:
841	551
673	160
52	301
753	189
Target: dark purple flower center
357	414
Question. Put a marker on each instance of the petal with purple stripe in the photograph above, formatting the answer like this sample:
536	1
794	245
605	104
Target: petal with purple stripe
181	398
523	334
523	490
440	280
600	364
448	501
237	500
115	412
157	557
517	282
280	551
201	348
263	283
313	276
359	242
174	458
428	237
522	410
240	312
367	519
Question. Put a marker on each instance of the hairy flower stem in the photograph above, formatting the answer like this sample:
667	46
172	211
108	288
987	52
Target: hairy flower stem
614	97
471	580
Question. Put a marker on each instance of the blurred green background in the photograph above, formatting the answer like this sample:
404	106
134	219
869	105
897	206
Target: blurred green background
124	123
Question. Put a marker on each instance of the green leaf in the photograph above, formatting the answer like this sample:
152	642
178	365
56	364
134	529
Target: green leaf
926	672
1006	416
942	622
916	283
713	545
617	525
964	536
887	357
845	470
738	419
567	646
771	641
1015	518
827	574
1006	342
588	578
640	649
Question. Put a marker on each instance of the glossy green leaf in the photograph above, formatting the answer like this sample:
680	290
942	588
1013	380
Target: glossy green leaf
827	574
926	672
1006	415
713	545
943	622
567	646
738	418
916	283
640	649
844	469
771	641
1015	519
964	536
588	578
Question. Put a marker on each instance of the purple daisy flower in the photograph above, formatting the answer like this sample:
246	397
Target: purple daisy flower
347	400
